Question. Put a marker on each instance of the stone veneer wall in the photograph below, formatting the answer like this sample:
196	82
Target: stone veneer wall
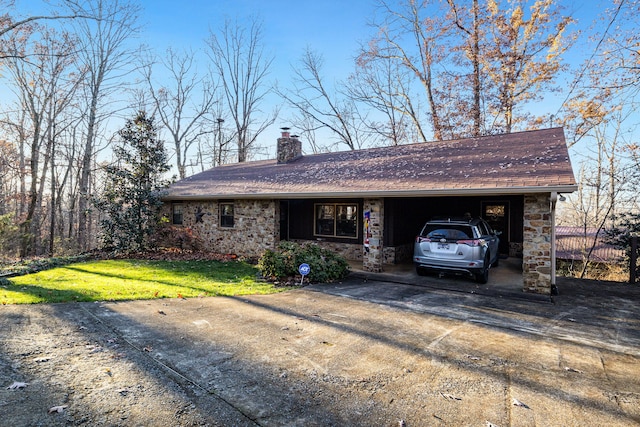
350	251
256	226
374	257
536	248
398	254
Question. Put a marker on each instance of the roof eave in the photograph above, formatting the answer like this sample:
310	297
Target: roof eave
565	189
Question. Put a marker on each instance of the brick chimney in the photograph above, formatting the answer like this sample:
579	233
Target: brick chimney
289	147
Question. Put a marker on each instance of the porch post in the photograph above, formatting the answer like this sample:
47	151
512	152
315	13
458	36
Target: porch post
373	230
536	247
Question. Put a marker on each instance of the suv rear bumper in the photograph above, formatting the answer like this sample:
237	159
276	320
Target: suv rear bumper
449	265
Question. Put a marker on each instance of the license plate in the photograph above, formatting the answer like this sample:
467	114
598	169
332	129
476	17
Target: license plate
444	246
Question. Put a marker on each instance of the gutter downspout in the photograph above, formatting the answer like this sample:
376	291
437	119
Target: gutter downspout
554	199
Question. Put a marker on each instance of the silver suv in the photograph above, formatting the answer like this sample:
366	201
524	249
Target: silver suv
459	245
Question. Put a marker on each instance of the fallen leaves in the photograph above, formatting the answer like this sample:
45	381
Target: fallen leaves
58	409
175	254
17	385
93	348
449	396
516	402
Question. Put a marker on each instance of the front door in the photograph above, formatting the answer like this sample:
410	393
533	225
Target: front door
497	215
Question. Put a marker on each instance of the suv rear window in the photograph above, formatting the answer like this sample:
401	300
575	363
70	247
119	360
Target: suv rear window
449	232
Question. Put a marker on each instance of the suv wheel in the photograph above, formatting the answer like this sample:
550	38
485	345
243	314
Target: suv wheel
497	261
483	276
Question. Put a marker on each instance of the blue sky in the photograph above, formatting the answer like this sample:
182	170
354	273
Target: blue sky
332	27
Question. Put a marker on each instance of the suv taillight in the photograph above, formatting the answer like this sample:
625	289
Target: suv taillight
471	242
421	239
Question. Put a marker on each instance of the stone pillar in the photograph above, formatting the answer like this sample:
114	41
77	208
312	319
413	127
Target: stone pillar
373	231
536	248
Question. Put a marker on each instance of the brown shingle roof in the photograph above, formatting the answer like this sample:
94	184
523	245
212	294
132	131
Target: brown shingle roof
516	163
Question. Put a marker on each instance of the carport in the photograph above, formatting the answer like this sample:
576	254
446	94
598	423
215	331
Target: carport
529	231
406	216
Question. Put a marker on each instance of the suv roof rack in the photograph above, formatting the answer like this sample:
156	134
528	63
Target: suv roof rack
464	219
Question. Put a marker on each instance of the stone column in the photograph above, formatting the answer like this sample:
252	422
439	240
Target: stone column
536	248
372	256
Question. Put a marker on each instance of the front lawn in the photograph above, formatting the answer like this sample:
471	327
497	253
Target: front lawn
134	279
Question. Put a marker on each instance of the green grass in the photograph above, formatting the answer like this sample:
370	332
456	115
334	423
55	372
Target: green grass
115	280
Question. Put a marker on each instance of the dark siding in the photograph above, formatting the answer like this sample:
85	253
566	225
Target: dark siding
404	217
301	219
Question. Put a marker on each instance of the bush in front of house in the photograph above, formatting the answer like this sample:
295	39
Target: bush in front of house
283	262
170	236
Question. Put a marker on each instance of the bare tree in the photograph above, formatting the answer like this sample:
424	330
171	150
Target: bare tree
600	113
608	80
106	58
15	126
11	26
185	105
469	22
45	86
619	60
8	175
411	34
382	85
320	107
238	59
606	184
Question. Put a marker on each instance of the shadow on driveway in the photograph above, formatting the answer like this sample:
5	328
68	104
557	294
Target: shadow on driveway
370	350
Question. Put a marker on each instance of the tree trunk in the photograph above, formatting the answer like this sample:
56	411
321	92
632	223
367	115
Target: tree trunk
85	175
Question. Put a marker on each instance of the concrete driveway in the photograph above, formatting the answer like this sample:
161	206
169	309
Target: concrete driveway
372	350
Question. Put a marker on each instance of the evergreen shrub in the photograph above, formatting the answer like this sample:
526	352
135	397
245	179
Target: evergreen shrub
283	262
